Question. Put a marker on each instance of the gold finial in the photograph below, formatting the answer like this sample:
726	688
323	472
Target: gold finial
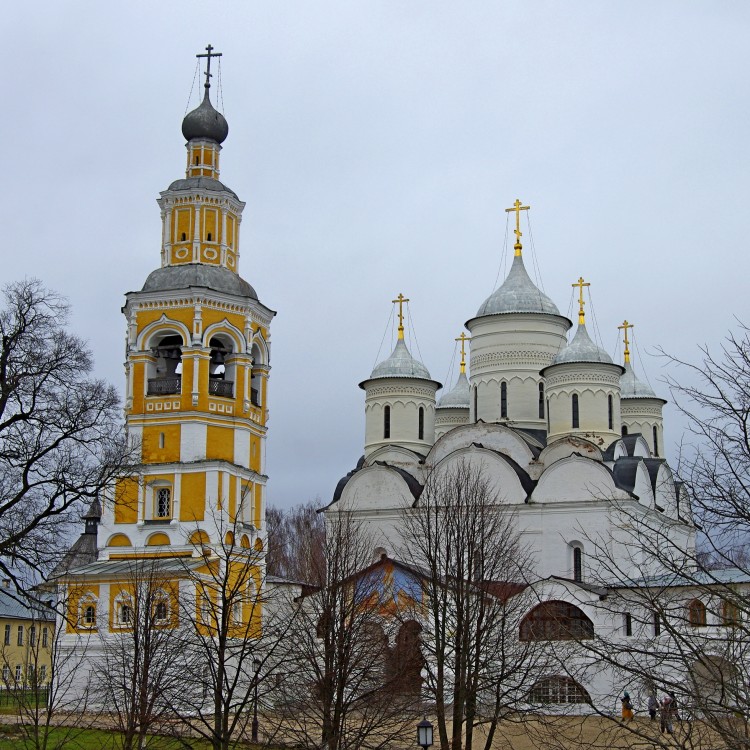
580	284
463	338
624	327
517	207
400	299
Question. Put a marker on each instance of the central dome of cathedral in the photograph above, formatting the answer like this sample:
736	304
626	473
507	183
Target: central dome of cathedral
518	294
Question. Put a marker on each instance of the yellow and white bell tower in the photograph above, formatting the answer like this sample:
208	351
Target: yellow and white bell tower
197	368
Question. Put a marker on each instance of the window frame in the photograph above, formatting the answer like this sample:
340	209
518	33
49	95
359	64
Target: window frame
575	417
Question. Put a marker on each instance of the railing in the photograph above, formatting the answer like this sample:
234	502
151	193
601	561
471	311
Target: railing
164	386
218	387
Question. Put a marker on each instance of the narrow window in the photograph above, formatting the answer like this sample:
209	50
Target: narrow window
387	423
161	439
541	400
19	673
7	635
163	498
576	422
197	161
6	674
657	623
42	674
624	430
183	237
32	636
89	615
19	639
656	442
628	624
208	237
548	425
504	400
45	638
730	614
611	415
697	614
577	564
476	413
160	611
421	423
126	614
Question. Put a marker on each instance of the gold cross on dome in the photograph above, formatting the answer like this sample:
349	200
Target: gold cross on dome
400	300
463	338
624	328
517	208
580	284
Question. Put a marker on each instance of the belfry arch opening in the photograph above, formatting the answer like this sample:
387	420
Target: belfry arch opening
165	372
221	367
256	381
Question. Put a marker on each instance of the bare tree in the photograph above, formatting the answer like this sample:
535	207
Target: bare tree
60	430
140	675
296	541
232	639
466	541
340	691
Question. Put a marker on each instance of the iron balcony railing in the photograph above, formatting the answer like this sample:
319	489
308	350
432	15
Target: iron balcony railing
164	386
218	387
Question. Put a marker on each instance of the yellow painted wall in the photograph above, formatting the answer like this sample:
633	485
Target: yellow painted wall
37	654
120	540
220	443
193	497
152	453
183	220
126	500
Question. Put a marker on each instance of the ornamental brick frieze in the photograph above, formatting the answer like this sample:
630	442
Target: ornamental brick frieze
497	359
639	411
581	378
406	391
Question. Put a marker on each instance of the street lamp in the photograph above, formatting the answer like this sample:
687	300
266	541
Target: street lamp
424	734
256	669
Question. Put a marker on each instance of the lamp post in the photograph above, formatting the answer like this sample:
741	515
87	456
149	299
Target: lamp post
256	669
424	734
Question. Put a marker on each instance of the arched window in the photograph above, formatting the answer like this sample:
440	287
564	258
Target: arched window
163	502
165	372
611	412
574	403
541	400
476	412
697	613
386	422
503	400
577	564
556	621
624	430
89	615
126	614
656	442
208	236
160	611
558	690
730	614
421	423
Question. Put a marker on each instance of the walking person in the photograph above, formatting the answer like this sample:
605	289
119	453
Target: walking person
627	707
666	715
652	704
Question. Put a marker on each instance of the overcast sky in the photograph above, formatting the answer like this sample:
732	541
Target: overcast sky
376	145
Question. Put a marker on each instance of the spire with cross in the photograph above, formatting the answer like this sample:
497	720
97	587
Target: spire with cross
463	338
580	284
400	300
517	208
624	328
209	53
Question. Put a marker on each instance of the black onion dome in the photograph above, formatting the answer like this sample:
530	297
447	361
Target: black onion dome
205	122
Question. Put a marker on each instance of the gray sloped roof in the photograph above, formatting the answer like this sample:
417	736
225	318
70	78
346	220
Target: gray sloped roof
13	606
582	349
400	364
517	294
202	275
458	397
201	183
83	552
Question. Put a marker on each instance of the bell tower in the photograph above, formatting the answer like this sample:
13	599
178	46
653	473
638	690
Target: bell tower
197	368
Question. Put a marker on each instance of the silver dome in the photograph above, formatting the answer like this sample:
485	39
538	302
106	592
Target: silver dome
400	365
631	387
582	349
458	398
186	275
205	122
517	294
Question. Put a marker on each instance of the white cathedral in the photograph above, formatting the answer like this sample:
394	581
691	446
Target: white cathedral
569	440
